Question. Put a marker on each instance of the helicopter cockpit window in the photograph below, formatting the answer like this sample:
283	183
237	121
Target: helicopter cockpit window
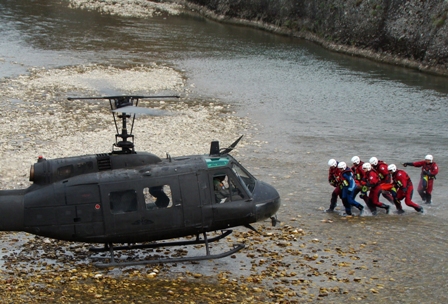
158	197
123	201
226	189
245	177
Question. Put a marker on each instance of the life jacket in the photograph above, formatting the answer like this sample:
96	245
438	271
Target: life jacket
372	178
381	169
401	179
347	179
432	168
334	176
357	171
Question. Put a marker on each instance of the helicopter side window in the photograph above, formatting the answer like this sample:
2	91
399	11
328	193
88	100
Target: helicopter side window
123	201
157	197
225	189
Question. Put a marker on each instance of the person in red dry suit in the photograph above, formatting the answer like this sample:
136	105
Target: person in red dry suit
372	181
334	180
358	174
403	188
427	177
381	168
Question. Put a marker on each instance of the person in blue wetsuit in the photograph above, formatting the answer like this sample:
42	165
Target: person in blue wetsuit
348	186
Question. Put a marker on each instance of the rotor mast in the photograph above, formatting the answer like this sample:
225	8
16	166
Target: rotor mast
117	103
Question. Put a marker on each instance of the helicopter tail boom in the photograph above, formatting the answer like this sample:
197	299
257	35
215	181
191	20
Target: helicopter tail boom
12	210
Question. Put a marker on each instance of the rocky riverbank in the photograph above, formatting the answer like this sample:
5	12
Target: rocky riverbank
405	33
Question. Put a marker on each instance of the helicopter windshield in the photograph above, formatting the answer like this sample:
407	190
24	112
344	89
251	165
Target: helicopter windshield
244	176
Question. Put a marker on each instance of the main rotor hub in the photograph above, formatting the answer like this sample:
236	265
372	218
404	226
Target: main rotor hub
121	102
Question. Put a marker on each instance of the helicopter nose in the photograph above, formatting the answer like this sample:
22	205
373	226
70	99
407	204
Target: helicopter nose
269	201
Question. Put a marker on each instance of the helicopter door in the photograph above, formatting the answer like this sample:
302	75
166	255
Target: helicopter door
232	201
121	209
191	200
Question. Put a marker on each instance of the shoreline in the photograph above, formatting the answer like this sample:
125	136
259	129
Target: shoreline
384	58
147	9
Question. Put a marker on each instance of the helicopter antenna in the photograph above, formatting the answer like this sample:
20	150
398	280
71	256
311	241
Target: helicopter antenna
231	147
122	107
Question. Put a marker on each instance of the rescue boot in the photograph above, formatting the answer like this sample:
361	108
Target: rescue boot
387	207
420	210
361	210
397	204
348	211
400	211
422	195
428	199
333	204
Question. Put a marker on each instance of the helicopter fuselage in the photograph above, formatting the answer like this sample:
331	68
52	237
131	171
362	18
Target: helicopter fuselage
138	197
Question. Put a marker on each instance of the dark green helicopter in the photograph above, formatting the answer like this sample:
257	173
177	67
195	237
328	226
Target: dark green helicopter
137	198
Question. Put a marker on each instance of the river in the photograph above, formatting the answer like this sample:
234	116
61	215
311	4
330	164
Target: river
307	105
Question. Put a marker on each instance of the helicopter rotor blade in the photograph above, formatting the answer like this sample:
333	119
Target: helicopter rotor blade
124	96
140	110
124	103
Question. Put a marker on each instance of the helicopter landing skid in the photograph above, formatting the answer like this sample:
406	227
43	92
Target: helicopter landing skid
207	256
165	244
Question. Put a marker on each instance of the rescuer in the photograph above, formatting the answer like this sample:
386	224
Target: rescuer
372	181
381	168
427	177
403	188
333	179
358	175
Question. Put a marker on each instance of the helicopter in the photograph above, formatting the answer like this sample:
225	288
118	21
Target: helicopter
130	200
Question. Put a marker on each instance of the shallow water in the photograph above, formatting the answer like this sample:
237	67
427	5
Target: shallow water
308	105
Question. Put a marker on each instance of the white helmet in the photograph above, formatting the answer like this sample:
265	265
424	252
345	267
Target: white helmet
332	162
342	165
367	166
429	157
373	161
356	160
392	168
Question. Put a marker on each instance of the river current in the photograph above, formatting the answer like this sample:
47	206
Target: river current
308	105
